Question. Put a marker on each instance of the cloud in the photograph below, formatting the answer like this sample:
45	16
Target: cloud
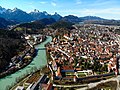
108	13
42	2
53	4
103	3
94	11
30	3
102	11
78	2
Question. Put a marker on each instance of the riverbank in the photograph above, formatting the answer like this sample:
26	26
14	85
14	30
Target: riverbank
21	61
13	69
38	62
31	77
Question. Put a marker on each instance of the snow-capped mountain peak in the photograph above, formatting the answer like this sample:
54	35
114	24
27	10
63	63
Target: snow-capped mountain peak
2	10
44	12
15	9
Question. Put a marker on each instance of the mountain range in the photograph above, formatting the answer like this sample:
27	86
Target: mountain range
15	16
22	16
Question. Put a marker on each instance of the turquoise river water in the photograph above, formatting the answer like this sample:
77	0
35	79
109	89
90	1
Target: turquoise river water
38	62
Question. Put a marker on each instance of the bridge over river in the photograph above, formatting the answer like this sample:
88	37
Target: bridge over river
38	62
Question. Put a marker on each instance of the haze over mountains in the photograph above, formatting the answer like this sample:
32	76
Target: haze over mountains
22	16
15	16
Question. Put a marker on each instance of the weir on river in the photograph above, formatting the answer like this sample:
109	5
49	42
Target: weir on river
38	62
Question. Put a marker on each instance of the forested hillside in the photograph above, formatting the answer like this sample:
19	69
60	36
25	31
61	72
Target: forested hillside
10	44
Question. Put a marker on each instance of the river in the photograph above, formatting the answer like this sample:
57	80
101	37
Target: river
38	62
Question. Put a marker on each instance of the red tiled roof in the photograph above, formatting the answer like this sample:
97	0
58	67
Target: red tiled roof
68	68
49	87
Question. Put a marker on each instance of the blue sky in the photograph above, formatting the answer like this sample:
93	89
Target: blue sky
109	9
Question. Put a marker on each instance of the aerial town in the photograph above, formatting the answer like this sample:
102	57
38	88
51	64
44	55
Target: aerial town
59	44
87	53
